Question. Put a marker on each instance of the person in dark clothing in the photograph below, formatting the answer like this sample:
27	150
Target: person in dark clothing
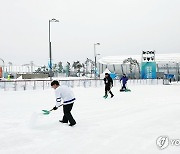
124	80
108	85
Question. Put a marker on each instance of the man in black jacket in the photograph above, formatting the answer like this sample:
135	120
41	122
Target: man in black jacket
108	85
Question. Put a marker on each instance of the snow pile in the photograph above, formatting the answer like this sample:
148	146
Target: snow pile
129	123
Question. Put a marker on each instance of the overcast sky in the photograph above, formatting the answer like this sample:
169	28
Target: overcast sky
121	26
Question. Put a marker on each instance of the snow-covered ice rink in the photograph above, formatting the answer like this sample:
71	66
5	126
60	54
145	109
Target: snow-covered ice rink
129	123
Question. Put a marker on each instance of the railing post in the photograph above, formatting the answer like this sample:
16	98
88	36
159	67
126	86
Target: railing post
79	83
43	85
95	83
90	83
34	85
84	83
15	84
73	83
4	85
25	86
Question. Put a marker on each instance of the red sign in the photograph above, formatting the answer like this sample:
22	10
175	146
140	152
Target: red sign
0	72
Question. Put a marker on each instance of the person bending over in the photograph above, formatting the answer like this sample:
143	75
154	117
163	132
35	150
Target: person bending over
64	93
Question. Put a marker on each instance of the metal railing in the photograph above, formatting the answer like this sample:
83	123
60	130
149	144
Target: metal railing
16	85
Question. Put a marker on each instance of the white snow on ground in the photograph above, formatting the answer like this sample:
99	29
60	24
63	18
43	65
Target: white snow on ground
129	123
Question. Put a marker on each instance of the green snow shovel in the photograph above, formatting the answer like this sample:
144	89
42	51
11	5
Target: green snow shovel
46	112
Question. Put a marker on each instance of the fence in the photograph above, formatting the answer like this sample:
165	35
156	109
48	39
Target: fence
16	85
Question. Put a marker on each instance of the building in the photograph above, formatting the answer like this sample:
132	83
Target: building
165	64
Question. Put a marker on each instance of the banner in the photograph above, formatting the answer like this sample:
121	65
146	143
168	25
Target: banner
50	64
1	72
148	70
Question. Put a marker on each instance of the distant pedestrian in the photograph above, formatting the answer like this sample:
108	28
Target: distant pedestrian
9	77
170	80
64	93
124	80
108	85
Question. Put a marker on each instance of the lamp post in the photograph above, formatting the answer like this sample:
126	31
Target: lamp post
99	63
95	59
3	68
99	66
50	52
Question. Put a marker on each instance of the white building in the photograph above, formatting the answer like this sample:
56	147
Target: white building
166	63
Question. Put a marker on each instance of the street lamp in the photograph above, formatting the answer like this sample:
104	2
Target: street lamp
3	68
95	59
99	65
50	53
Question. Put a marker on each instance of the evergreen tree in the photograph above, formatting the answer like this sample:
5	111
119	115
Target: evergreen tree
60	67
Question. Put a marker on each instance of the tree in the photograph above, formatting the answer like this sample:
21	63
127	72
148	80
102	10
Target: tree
84	69
42	69
132	62
38	70
92	63
67	70
60	67
77	67
55	69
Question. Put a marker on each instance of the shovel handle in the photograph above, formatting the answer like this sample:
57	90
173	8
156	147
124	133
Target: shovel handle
58	107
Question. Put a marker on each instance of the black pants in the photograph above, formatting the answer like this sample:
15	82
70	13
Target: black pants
67	114
124	87
108	89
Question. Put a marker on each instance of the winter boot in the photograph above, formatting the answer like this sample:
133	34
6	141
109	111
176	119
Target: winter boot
105	96
72	124
62	121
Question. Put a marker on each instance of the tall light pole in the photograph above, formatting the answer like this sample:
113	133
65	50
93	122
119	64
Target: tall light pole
99	66
3	68
50	52
95	59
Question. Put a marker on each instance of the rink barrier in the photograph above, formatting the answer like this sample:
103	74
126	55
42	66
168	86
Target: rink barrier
16	85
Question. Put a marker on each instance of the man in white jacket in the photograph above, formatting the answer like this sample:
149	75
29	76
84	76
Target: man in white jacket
64	93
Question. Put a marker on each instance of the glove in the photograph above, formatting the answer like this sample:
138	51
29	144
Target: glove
55	108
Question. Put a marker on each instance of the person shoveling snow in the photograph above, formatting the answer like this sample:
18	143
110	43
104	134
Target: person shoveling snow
64	93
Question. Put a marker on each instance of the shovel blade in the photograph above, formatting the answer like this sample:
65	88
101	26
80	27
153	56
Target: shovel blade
45	112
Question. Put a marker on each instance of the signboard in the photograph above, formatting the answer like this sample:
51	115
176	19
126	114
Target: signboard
1	72
148	56
50	64
148	70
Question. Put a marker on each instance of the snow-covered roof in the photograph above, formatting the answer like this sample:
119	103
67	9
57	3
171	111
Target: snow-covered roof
165	58
106	71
